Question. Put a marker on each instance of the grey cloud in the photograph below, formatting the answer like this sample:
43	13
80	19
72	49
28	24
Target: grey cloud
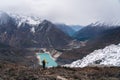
82	12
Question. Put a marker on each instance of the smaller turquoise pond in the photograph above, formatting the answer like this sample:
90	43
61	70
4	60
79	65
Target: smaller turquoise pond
48	58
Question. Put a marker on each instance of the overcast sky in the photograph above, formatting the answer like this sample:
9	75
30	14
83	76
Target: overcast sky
82	12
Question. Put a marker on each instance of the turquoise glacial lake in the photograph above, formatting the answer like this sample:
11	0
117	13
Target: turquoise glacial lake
48	58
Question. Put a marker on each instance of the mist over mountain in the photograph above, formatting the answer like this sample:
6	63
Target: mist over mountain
76	27
69	29
77	12
66	29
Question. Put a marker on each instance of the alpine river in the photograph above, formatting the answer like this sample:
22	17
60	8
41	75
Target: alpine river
48	58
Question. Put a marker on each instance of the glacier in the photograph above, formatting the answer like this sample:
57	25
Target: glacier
109	56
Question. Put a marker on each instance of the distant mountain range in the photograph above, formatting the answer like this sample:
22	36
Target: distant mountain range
69	29
91	31
110	35
28	31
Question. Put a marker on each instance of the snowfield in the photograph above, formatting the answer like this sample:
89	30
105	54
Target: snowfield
26	19
109	56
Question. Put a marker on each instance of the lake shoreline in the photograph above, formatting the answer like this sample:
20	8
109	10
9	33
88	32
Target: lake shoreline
49	59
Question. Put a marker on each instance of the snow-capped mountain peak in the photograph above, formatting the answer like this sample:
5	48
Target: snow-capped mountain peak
99	24
20	19
103	24
109	56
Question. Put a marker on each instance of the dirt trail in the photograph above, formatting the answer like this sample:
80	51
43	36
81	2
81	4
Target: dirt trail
61	78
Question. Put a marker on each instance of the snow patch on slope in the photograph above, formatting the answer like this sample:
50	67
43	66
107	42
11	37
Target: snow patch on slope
26	19
33	29
30	20
109	56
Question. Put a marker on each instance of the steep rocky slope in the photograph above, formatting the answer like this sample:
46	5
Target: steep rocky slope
24	31
18	56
